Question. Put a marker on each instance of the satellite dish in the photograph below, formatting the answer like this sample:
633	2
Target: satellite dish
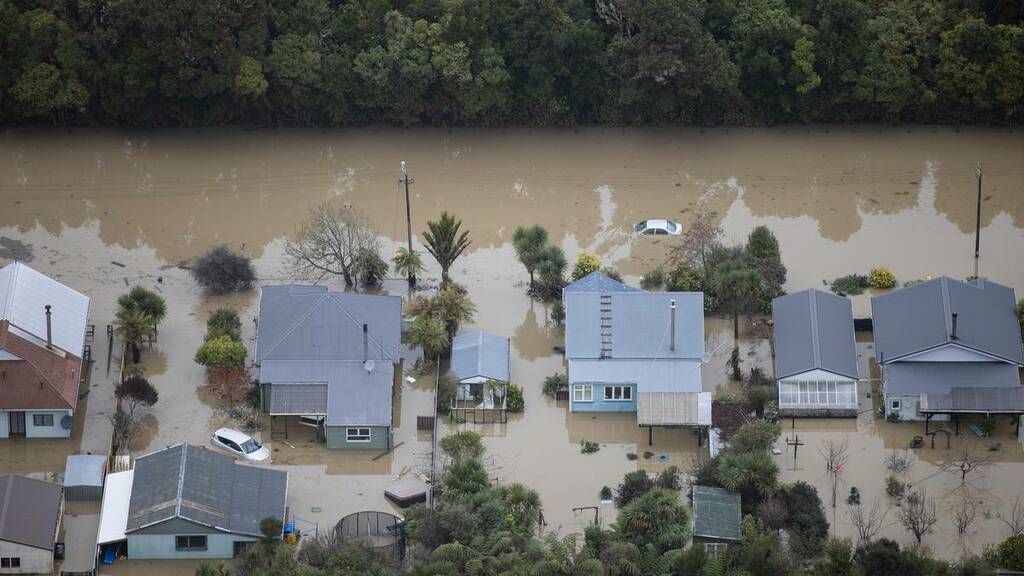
66	422
369	365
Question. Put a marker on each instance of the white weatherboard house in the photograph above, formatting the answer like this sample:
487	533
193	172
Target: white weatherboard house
947	348
815	354
331	357
630	350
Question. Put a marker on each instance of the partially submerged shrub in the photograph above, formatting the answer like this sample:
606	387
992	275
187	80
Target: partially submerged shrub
555	382
222	271
224	322
882	278
894	488
585	264
588	447
634	484
515	402
851	284
653	279
220	351
606	493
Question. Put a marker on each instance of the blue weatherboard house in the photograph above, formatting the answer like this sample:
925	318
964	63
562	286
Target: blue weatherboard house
630	350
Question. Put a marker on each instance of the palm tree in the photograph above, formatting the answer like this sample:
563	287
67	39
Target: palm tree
551	268
445	242
736	284
430	334
134	327
408	264
146	301
529	246
453	307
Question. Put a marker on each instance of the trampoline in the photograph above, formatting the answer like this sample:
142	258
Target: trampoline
381	532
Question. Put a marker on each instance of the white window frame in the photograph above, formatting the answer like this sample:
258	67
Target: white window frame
896	404
47	420
360	434
582	393
618	393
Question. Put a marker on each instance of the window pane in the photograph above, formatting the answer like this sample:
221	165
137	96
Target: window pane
608	392
627	393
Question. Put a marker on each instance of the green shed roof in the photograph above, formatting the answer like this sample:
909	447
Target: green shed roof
716	514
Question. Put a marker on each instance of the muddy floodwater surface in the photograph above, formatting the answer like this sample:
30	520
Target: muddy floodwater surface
102	210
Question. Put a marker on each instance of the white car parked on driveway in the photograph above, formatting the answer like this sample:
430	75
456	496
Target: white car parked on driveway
240	444
659	228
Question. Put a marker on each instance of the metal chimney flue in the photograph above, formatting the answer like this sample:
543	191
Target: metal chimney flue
953	335
49	329
366	342
672	307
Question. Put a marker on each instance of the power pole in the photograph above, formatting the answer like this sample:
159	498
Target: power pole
408	218
977	226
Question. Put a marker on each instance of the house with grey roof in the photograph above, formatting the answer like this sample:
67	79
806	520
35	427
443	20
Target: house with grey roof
30	514
480	366
815	354
630	350
947	348
189	502
332	358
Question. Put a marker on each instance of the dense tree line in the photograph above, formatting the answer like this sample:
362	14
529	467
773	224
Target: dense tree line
537	62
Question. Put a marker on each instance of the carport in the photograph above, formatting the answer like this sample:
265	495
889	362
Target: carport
114	515
979	401
674	410
301	400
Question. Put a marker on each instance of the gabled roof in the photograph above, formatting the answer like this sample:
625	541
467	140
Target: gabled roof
24	293
598	282
36	377
813	331
480	354
205	488
920	317
716	513
312	323
29	511
633	324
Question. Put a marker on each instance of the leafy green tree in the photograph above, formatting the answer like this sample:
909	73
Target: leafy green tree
446	241
220	352
134	327
585	264
463	445
806	521
754	474
249	80
756	435
222	271
529	244
224	322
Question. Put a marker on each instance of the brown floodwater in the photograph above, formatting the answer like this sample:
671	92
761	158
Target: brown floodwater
106	209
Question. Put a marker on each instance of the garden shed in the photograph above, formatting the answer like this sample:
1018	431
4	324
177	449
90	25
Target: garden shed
83	477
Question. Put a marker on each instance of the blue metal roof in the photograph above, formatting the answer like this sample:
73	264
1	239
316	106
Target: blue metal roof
634	324
480	354
598	282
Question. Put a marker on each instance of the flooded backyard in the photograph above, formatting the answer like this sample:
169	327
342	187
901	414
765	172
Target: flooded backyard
101	210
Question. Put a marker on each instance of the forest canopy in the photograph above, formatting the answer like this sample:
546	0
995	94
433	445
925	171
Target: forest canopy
510	62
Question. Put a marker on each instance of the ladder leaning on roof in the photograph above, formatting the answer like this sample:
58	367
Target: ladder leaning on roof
606	325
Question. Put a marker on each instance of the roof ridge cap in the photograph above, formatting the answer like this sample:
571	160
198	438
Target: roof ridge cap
815	343
947	311
181	479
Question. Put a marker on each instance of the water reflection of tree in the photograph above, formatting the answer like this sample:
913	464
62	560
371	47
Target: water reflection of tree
535	337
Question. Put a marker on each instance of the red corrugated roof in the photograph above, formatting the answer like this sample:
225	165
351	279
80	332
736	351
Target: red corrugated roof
39	379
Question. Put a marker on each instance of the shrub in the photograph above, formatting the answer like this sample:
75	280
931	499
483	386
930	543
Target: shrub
135	392
588	447
894	488
222	271
555	382
220	351
224	322
851	284
606	493
372	267
445	394
807	523
634	484
756	435
669	479
880	277
464	445
653	279
271	527
684	279
987	425
515	403
585	264
611	273
1010	553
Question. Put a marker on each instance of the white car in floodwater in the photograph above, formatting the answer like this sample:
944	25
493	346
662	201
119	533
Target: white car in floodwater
659	228
240	444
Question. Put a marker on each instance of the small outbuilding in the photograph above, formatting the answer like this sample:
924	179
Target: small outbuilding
716	515
815	354
83	477
479	357
30	512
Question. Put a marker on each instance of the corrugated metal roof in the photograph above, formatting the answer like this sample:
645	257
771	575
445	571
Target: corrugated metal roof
919	318
997	400
673	409
942	377
305	399
29	511
598	282
633	324
23	295
354	396
84	470
648	375
480	354
716	513
813	330
205	487
114	512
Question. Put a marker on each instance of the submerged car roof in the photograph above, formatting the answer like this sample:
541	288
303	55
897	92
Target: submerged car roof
233	435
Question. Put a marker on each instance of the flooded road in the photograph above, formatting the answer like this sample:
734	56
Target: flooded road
102	210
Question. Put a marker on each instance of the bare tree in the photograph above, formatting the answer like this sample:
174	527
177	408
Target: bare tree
334	241
918	514
899	461
1014	517
699	239
773	512
126	428
967	462
835	457
868	521
964	514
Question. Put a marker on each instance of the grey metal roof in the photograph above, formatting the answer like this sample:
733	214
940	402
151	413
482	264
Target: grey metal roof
85	470
598	282
919	318
673	409
23	295
813	330
716	513
204	487
29	511
304	399
649	375
989	400
309	335
480	354
633	324
942	377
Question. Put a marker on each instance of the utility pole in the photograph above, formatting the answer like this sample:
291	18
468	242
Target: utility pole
977	226
408	219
